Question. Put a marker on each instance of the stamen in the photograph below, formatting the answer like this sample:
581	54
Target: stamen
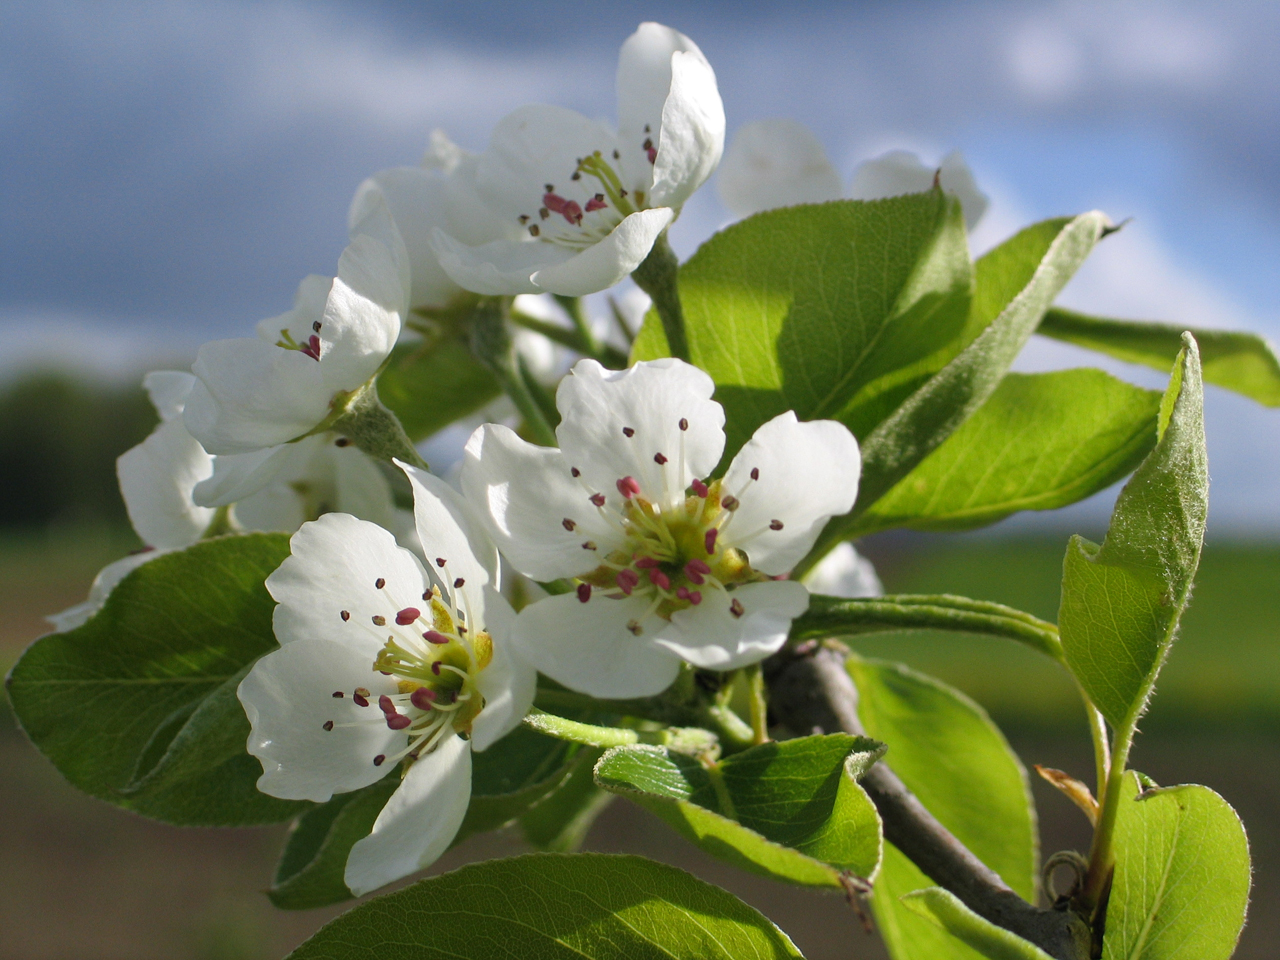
659	459
312	349
327	725
628	487
700	488
584	592
589	545
338	694
696	571
775	524
660	579
575	472
379	760
627	581
684	424
731	503
435	636
422	698
380	583
441	561
628	432
342	442
597	499
568	524
398	721
345	614
407	616
379	620
634	627
646	563
709	541
316	326
596	203
736	608
458	583
755	473
361	699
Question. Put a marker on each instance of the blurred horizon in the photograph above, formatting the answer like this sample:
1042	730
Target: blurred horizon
174	169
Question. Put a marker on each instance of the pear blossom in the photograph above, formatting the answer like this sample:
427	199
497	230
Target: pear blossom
590	202
779	162
305	365
385	664
844	572
161	480
439	193
668	564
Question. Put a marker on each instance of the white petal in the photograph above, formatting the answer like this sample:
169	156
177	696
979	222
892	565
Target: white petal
449	531
157	478
775	163
647	81
844	573
334	566
358	332
236	476
652	399
956	177
588	648
607	262
508	683
252	394
103	584
288	697
308	308
376	262
442	153
524	494
808	473
168	390
360	486
711	636
899	171
419	821
416	199
275	508
692	139
470	219
498	268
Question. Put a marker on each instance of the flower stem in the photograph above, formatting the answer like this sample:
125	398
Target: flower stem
375	429
759	705
575	732
611	357
1101	856
491	344
657	276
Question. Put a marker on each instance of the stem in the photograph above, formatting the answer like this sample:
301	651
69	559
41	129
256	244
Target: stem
573	307
735	735
621	322
576	732
837	617
812	691
375	429
759	705
491	345
657	276
1101	856
609	356
1101	748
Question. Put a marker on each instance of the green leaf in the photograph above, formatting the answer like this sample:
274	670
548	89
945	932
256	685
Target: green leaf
126	704
429	385
1243	362
945	909
793	810
550	906
839	617
560	820
509	778
1041	442
1121	602
1181	884
950	754
834	310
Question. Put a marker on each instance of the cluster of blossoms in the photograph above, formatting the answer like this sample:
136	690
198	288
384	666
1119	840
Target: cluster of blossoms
397	649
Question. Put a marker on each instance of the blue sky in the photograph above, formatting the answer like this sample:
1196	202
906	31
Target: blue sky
171	170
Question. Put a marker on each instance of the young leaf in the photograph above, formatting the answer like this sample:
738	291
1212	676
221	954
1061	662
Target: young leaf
834	310
1121	602
429	386
509	778
1042	441
790	810
137	705
553	907
950	754
1243	362
945	909
839	617
1181	884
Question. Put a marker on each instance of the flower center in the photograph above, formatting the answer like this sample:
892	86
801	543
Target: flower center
604	201
435	659
311	348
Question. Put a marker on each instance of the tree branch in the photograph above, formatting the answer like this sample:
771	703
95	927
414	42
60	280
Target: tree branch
812	692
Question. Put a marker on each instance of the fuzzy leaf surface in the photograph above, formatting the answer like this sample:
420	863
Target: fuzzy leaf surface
429	386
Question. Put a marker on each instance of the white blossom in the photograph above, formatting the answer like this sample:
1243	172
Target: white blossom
669	564
305	365
383	664
844	572
780	163
591	202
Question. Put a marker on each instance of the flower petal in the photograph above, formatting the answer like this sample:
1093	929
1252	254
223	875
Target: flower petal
807	474
508	683
157	478
651	399
775	163
900	171
537	513
168	391
375	262
237	476
608	261
252	394
714	637
664	78
358	332
334	566
419	821
844	573
497	268
360	488
450	531
588	648
417	201
288	696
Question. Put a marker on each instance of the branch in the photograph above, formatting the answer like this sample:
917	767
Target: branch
811	692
